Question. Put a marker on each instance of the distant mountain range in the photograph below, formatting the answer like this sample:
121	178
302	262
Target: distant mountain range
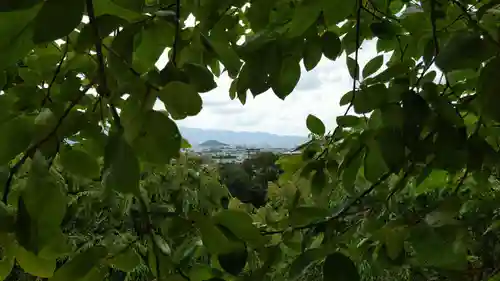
197	136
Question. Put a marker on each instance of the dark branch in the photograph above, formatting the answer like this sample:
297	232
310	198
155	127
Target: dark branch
103	87
32	149
56	73
434	29
177	31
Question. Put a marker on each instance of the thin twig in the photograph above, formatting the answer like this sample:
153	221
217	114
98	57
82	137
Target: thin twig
462	180
402	50
382	13
98	47
356	54
356	76
475	24
56	73
130	67
372	13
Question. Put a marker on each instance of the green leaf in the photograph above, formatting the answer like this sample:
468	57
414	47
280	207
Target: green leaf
200	76
159	138
234	262
335	11
213	238
126	261
45	203
80	265
79	163
331	45
349	121
122	171
304	215
318	182
241	225
374	164
312	53
285	81
339	267
304	16
13	5
383	30
180	99
34	265
315	125
429	51
162	244
373	65
436	179
350	172
16	137
353	67
227	56
7	216
487	89
120	56
103	7
392	148
427	241
105	24
154	38
304	261
7	260
464	50
16	34
394	241
56	19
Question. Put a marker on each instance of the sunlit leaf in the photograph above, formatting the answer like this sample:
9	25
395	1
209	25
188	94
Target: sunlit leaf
181	99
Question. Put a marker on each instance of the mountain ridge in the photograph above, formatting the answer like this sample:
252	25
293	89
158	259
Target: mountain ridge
256	139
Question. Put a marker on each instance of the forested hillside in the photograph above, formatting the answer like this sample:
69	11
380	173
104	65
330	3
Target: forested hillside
405	187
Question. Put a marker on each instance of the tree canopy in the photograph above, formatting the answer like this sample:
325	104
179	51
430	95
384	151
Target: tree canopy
95	186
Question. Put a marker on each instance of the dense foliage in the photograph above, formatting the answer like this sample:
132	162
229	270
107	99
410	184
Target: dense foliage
248	181
95	187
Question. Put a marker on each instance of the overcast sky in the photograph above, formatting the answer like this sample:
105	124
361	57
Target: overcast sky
318	92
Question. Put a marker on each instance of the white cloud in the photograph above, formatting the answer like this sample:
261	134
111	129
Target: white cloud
318	92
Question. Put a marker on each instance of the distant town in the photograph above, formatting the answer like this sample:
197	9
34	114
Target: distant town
218	152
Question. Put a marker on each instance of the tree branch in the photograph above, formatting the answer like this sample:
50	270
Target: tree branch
32	149
103	89
339	214
177	31
56	73
356	55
